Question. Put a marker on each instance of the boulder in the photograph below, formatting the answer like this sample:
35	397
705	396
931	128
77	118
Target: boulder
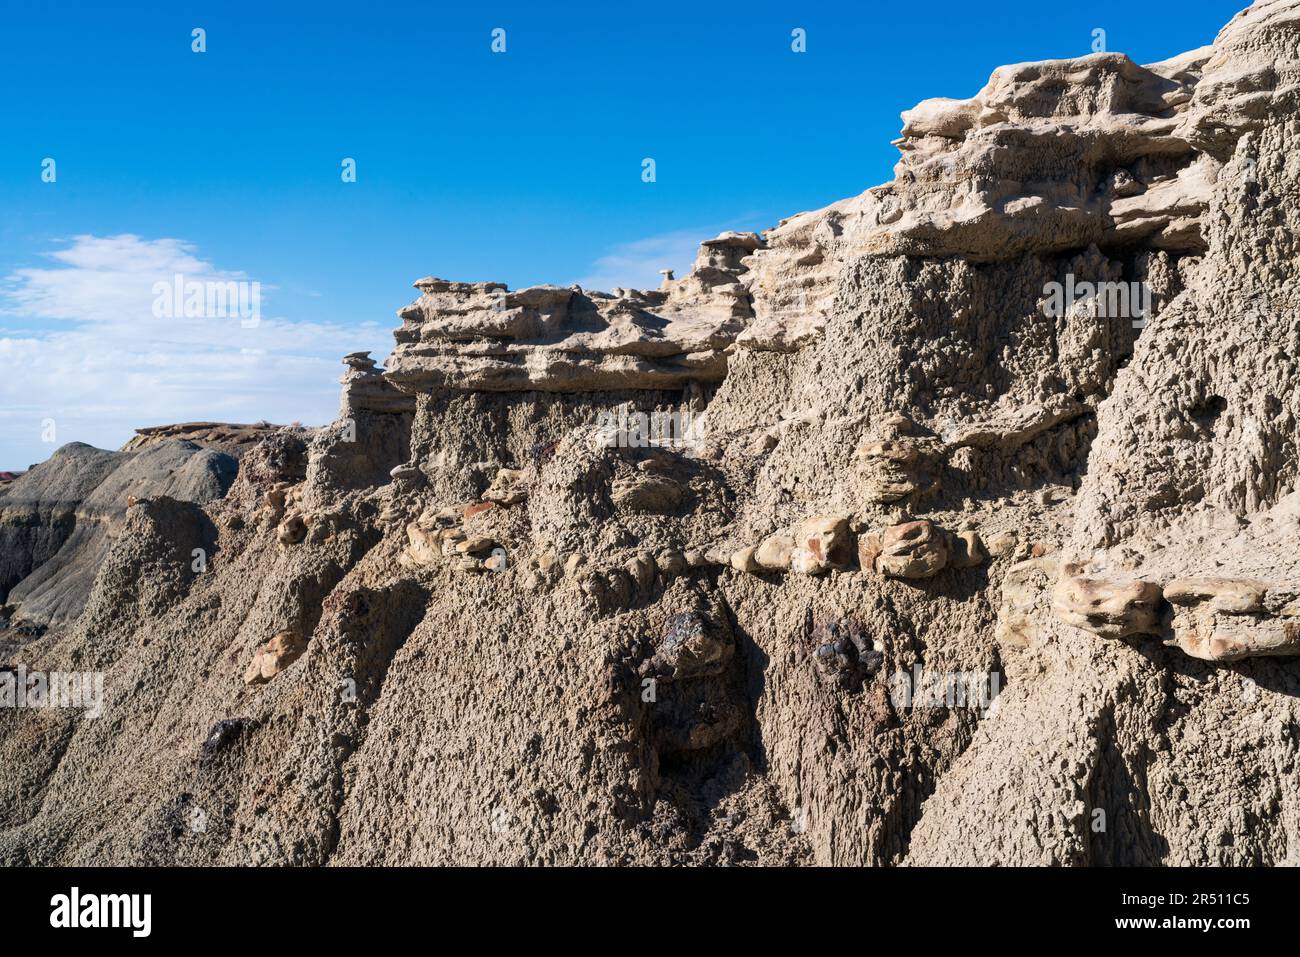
1227	619
821	543
655	494
282	650
912	550
1108	607
898	461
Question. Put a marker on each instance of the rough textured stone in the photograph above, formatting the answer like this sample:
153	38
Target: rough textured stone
481	336
912	550
1112	609
273	657
577	694
821	543
1226	619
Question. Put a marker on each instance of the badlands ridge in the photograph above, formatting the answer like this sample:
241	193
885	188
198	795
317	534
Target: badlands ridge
655	576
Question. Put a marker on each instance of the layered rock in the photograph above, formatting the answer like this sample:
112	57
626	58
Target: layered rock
59	520
39	511
366	390
481	336
228	437
1226	619
898	463
500	637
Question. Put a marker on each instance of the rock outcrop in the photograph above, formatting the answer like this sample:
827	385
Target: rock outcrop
224	436
880	538
482	337
366	390
59	520
1224	619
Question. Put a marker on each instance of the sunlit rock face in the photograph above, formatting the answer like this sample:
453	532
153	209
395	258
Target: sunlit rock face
873	539
482	337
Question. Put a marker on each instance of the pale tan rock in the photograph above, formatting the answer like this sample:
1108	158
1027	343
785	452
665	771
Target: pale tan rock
743	560
481	336
365	389
476	545
717	555
912	550
282	650
774	552
407	475
821	543
641	569
425	544
966	550
656	494
1224	596
897	461
274	498
1110	608
1226	619
1003	544
1017	427
292	530
671	563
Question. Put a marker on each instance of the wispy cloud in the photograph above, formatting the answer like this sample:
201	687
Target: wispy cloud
636	265
80	345
103	279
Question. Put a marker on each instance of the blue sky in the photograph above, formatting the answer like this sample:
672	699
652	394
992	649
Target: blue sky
522	167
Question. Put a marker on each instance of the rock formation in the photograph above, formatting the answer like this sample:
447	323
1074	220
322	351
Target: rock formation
58	521
955	522
225	436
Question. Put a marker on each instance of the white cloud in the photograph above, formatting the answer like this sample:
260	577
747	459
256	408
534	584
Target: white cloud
636	265
103	279
93	357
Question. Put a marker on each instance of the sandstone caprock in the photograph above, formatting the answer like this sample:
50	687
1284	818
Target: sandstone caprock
862	543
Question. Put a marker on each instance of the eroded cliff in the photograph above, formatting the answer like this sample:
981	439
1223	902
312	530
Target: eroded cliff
955	522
